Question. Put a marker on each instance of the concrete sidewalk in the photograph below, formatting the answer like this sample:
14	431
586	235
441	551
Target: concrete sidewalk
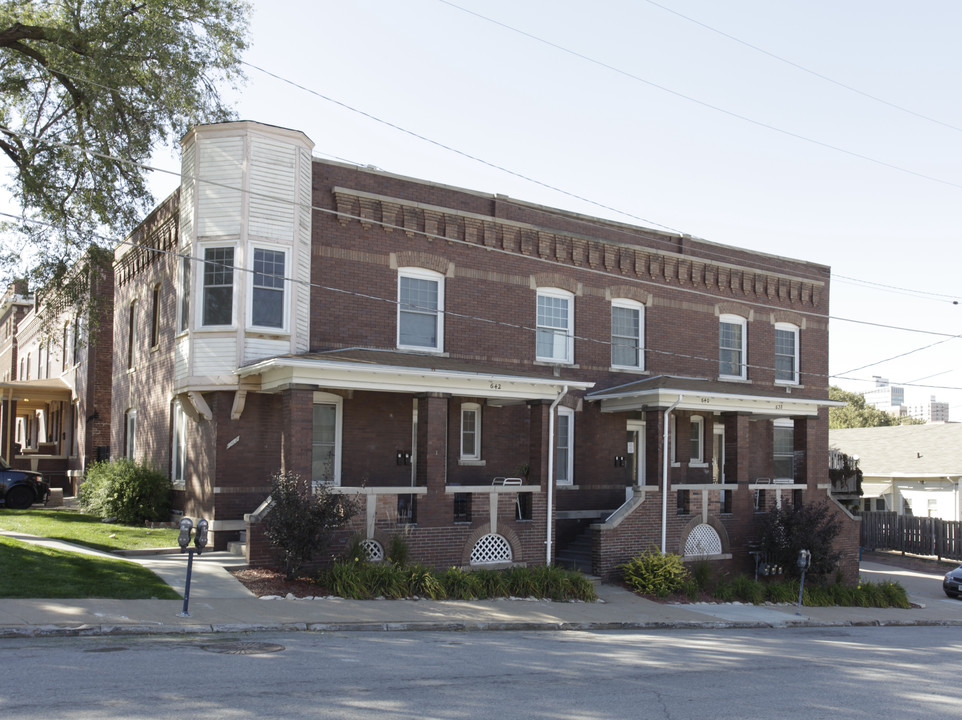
219	603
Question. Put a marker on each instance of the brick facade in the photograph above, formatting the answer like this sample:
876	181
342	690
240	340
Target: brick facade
399	412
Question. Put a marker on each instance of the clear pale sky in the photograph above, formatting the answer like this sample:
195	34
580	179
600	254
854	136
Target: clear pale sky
662	117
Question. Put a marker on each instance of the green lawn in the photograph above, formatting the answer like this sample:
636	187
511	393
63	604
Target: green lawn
31	571
73	526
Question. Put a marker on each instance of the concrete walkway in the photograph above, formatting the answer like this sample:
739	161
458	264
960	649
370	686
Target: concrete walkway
219	603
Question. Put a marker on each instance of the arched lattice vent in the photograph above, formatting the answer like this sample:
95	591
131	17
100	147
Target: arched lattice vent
491	549
372	550
703	540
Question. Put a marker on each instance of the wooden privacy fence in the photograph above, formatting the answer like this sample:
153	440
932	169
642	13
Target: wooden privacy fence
916	535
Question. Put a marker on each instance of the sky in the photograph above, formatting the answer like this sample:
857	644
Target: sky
824	131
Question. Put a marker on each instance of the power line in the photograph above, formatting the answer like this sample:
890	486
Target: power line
808	70
710	106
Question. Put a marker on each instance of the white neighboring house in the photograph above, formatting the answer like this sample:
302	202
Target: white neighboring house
909	469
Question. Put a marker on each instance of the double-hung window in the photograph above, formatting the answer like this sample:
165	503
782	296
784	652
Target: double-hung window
183	307
697	441
627	334
130	434
420	318
218	286
732	344
178	450
556	320
326	440
564	447
470	432
267	296
132	336
783	443
786	353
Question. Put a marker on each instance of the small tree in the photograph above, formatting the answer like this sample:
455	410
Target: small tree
812	527
300	521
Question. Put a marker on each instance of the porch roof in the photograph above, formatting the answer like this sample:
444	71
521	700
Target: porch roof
35	391
664	391
392	371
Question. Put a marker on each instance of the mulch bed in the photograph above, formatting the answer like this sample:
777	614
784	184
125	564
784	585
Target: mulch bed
269	581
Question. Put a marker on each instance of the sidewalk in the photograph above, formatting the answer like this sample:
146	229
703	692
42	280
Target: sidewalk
220	604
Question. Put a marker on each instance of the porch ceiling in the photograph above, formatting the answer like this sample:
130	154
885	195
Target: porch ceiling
708	395
387	371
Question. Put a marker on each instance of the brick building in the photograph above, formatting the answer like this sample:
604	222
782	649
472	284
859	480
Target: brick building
56	368
491	377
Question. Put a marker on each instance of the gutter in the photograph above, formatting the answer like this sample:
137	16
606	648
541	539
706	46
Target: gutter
664	475
564	391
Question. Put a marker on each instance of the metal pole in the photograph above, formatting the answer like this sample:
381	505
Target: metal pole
190	565
801	589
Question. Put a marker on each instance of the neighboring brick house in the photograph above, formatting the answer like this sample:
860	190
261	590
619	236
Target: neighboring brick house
55	393
410	342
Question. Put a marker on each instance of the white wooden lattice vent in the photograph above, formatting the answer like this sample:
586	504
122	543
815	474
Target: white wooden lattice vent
491	548
372	550
703	540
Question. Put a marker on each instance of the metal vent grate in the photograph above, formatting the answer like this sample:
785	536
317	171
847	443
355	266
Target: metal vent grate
491	549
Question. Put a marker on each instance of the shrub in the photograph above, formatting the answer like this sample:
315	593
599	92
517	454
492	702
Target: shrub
812	527
397	550
132	492
300	521
654	573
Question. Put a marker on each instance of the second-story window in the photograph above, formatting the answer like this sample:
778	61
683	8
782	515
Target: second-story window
267	298
183	310
155	317
218	286
132	335
420	323
627	334
786	353
556	320
732	338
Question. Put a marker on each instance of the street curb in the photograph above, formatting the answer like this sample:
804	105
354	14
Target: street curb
42	631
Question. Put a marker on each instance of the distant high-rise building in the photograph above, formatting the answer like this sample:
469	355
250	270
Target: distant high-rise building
886	397
932	411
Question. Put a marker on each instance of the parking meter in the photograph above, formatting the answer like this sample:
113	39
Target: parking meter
184	538
200	535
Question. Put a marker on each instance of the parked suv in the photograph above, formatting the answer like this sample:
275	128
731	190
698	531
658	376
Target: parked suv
19	489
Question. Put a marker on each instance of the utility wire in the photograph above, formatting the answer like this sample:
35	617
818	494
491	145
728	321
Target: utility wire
808	70
702	103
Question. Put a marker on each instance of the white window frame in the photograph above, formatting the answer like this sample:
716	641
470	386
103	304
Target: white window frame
672	435
783	424
636	306
473	457
323	398
697	441
794	330
565	476
743	350
284	290
178	446
183	292
561	335
130	433
203	285
416	273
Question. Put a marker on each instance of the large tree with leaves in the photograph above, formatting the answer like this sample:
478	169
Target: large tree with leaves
858	414
88	88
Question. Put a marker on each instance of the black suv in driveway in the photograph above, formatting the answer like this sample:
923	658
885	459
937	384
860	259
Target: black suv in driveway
19	489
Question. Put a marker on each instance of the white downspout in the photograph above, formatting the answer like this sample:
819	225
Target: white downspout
664	476
557	400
